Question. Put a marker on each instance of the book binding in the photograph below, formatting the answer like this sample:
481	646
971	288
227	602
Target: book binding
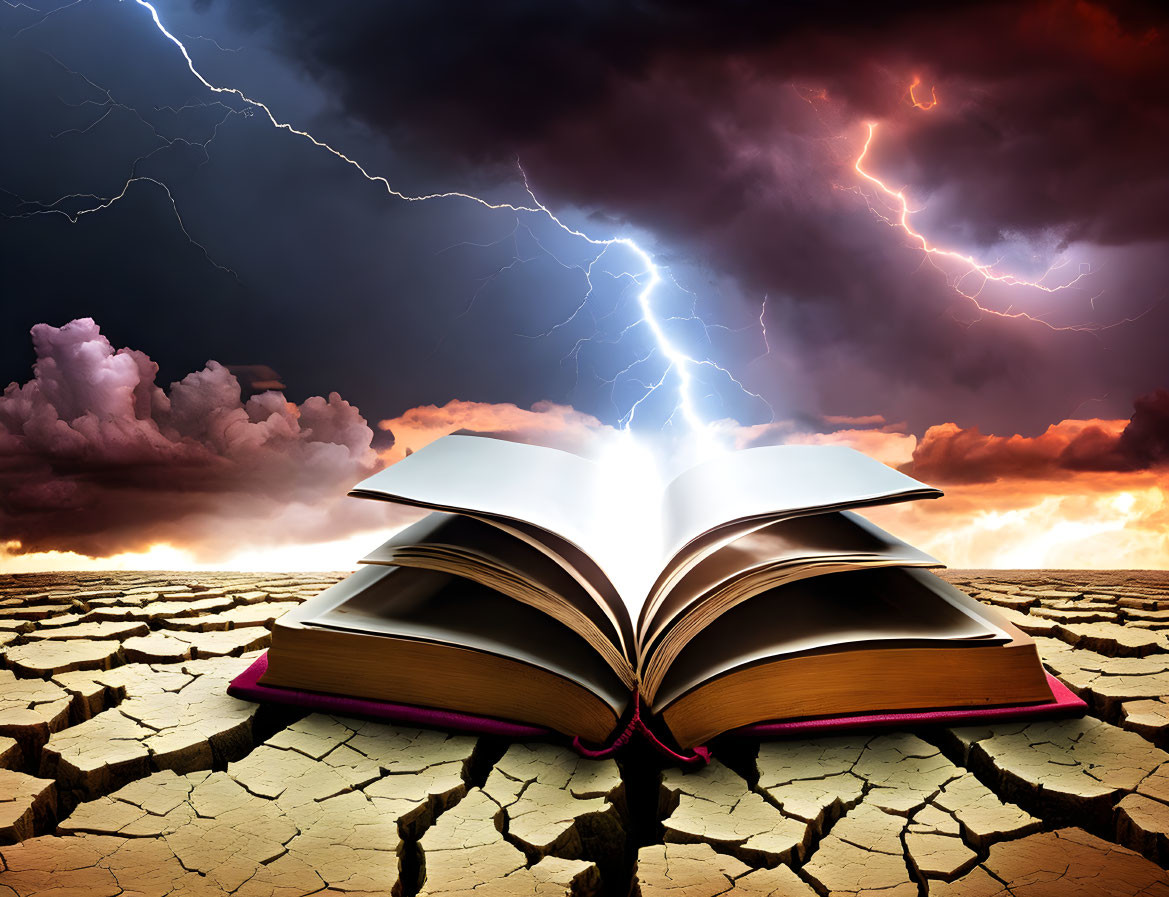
698	756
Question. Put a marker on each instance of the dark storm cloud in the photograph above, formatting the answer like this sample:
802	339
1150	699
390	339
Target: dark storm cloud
1144	442
729	132
723	134
1052	114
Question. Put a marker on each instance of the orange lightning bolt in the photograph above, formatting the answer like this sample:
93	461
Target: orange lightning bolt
967	264
918	104
985	273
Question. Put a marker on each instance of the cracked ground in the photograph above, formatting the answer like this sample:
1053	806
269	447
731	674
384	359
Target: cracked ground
125	769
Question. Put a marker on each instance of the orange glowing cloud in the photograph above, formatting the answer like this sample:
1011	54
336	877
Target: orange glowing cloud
887	443
951	454
558	426
1084	493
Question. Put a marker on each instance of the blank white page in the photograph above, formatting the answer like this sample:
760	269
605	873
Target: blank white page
777	480
548	487
563	493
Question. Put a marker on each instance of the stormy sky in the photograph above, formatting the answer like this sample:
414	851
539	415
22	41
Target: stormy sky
1027	140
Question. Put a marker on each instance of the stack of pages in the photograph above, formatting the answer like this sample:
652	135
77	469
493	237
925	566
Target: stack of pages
548	590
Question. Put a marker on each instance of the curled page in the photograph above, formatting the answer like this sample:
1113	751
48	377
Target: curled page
622	518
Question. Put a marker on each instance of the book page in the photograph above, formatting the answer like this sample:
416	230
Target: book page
482	552
576	564
866	608
779	481
613	519
553	489
427	606
842	537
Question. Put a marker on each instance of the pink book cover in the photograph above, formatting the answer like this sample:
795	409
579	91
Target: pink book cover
247	687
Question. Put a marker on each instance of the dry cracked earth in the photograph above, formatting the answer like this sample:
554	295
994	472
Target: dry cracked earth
125	769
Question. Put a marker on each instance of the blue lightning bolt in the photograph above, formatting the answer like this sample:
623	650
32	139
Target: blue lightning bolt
680	366
29	208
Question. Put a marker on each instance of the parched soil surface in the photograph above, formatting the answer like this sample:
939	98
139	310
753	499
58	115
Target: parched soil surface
126	769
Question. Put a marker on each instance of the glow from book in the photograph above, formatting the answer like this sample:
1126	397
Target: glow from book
634	470
632	479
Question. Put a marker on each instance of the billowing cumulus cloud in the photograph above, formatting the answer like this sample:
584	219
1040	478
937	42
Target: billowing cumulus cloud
96	458
557	426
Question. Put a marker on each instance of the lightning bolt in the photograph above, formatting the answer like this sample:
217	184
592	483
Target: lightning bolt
900	212
61	205
763	327
985	272
897	211
922	104
218	46
680	367
967	264
43	15
678	362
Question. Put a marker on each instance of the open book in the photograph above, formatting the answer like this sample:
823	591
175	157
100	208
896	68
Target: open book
549	589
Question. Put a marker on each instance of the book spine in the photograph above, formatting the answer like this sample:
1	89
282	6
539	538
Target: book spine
697	757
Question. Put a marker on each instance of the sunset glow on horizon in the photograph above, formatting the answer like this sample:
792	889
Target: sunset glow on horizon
1057	519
